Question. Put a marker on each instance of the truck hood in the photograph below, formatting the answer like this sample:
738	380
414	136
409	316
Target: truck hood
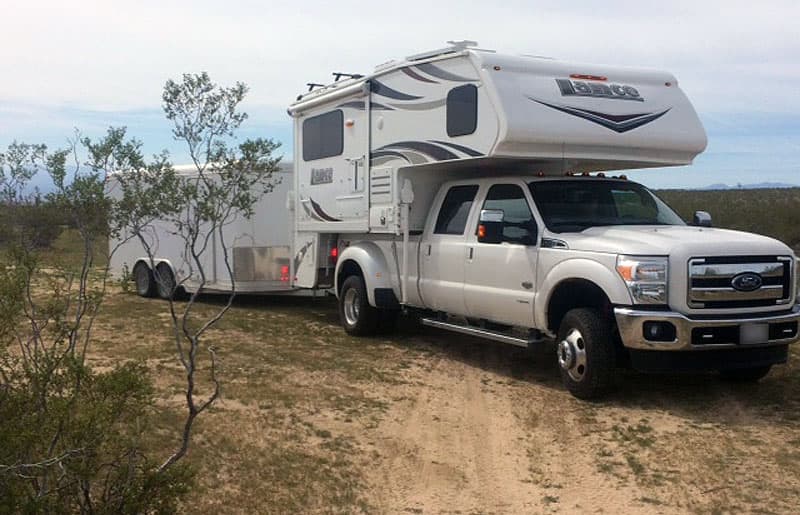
671	240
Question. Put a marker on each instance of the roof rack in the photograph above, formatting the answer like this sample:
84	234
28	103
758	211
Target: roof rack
339	75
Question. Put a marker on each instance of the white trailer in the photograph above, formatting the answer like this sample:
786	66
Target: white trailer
469	186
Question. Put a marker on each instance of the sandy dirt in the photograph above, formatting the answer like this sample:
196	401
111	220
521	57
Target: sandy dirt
479	428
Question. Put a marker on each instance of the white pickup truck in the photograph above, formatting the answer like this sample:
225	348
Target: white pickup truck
599	264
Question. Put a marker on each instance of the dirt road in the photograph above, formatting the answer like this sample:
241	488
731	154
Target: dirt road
481	428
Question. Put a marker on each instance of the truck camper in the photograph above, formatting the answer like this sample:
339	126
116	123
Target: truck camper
486	193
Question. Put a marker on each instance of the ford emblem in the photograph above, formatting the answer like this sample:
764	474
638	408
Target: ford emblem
747	281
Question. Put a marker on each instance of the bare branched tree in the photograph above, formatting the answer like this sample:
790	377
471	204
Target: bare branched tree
225	181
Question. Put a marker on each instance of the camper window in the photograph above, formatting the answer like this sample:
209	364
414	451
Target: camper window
462	110
455	210
323	135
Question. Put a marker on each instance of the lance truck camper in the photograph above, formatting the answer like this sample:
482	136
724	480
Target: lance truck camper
484	192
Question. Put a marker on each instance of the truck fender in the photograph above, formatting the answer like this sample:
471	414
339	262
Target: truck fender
582	269
370	259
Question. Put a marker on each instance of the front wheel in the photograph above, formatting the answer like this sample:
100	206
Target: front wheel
745	375
357	316
586	353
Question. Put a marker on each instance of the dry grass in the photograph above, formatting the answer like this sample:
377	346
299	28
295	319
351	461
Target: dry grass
295	391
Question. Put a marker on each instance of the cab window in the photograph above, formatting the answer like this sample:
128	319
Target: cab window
455	210
519	226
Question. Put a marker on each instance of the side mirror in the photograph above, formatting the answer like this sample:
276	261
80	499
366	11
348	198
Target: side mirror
490	226
702	219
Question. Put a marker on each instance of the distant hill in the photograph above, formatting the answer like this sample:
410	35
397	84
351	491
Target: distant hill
756	186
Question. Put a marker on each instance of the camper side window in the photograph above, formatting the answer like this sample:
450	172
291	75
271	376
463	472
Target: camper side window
323	135
455	210
462	110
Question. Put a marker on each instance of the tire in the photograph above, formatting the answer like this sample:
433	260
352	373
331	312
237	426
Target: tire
165	281
357	316
586	354
745	375
143	277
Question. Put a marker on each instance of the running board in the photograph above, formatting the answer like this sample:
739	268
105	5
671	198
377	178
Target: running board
479	333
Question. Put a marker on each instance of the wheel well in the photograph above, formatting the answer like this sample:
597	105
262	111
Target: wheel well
347	269
575	293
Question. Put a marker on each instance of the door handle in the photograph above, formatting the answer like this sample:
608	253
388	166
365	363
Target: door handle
527	285
471	252
429	250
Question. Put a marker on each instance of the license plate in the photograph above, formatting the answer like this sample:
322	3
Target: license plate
753	333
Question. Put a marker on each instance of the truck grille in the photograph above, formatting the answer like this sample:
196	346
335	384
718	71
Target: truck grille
739	282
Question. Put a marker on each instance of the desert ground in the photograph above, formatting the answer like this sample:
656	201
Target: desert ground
421	421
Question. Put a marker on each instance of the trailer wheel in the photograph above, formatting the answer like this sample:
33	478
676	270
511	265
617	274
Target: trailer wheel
745	375
586	353
143	276
357	316
165	281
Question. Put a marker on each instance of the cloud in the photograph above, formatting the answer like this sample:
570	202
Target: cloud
99	62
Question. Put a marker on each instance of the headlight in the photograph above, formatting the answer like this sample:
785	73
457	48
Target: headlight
646	278
797	279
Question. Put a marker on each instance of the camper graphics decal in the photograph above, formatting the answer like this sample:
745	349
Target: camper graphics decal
383	90
420	152
578	88
439	73
416	73
313	210
616	122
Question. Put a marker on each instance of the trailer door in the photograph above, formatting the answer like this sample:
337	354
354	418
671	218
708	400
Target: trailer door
499	278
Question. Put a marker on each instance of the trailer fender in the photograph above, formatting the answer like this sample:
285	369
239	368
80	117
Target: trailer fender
578	269
370	261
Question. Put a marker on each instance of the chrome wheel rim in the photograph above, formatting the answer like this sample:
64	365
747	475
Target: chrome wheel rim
572	355
351	306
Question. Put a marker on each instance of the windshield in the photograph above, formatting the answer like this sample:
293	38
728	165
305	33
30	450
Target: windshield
574	205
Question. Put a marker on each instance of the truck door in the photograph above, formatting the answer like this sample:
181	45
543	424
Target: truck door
499	279
443	249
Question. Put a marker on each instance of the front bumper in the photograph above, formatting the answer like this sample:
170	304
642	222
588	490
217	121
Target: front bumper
691	334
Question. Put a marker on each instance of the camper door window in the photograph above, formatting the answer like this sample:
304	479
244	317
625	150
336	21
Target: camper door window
323	135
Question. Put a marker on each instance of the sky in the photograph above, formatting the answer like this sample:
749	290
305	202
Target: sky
92	64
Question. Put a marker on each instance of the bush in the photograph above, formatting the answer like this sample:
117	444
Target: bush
71	440
35	225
